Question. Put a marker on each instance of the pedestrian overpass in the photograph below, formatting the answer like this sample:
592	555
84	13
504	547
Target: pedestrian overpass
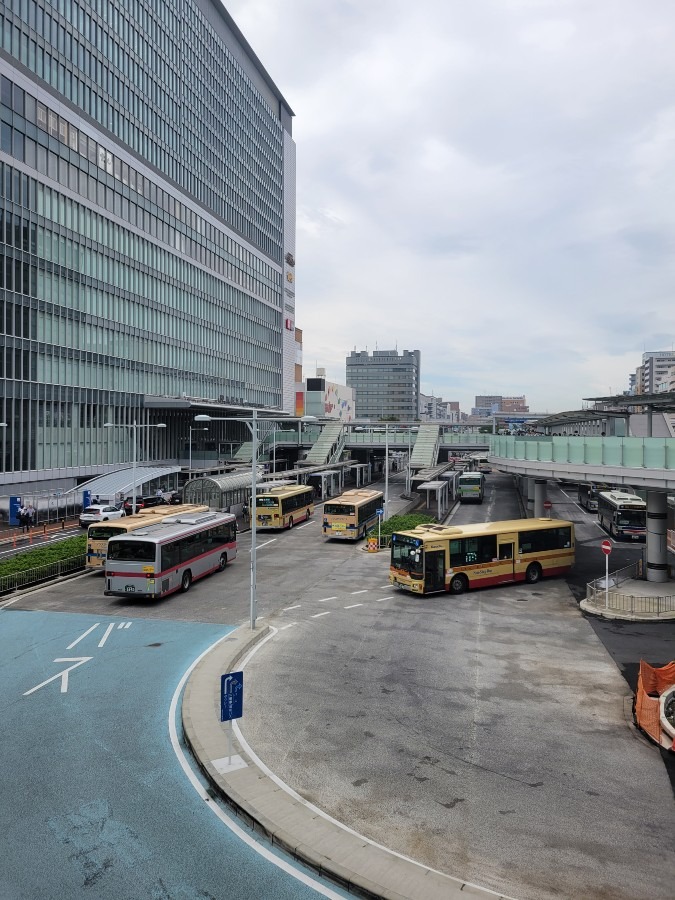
647	463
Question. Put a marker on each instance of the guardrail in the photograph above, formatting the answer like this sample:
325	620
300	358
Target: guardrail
628	452
612	599
41	574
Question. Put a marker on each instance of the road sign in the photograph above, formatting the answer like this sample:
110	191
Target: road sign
606	547
547	504
380	512
231	696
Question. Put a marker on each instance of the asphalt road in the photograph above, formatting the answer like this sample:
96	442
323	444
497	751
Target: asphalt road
487	735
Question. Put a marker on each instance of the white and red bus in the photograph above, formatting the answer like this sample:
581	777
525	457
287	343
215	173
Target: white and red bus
160	559
623	515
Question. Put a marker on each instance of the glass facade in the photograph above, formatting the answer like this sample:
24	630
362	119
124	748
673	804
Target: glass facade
385	384
143	195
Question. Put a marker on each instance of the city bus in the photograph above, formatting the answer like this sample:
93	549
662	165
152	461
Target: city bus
480	463
283	506
623	515
98	534
587	494
471	487
434	558
168	556
352	514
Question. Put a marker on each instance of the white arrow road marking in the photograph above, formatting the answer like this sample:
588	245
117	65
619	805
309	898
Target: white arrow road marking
78	660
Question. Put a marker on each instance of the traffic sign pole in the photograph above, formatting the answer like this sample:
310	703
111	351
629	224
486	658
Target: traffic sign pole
606	549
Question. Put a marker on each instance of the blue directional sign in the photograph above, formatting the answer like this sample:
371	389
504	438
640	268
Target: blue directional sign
231	696
380	512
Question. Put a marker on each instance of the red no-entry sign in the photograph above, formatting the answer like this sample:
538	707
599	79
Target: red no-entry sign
606	547
547	504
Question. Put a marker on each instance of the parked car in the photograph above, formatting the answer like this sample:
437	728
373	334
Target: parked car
99	512
143	503
173	498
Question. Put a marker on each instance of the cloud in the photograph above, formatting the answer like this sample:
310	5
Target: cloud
489	182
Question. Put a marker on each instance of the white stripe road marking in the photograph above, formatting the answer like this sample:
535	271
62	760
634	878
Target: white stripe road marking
352	606
326	598
106	635
359	592
385	587
82	636
297	606
290	625
260	546
316	615
380	599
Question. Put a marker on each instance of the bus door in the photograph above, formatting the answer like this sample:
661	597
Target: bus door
506	557
434	571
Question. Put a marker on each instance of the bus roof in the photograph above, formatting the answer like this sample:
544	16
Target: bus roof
152	516
284	490
356	496
436	532
174	526
622	497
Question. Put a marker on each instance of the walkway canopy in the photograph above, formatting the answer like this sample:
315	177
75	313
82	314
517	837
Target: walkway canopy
219	491
120	484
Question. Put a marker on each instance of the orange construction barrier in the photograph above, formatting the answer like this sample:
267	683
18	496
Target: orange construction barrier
652	682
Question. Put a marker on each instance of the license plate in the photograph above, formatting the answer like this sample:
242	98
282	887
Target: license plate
339	527
129	588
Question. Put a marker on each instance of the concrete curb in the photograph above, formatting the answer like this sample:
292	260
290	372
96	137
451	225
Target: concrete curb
610	613
288	821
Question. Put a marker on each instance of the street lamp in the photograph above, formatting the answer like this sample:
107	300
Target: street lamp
133	426
253	428
191	429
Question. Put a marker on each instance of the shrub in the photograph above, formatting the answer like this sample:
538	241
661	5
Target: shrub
402	523
43	556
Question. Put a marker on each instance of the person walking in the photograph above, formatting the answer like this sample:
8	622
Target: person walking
22	514
30	516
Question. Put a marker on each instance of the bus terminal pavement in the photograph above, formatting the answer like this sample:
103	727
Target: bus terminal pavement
280	814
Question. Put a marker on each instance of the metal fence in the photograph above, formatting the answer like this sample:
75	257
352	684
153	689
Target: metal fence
41	574
608	597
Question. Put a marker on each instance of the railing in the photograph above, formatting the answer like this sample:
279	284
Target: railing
39	574
609	597
628	452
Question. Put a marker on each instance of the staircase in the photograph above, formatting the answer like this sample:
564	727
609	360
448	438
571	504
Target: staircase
328	447
425	452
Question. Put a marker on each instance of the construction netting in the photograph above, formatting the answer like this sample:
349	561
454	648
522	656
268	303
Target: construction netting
652	684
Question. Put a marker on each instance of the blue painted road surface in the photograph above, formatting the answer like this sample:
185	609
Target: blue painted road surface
93	799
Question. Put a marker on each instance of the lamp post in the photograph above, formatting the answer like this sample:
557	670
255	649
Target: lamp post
253	428
133	426
191	429
386	468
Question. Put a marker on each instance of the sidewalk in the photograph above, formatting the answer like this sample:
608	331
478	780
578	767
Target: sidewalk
282	815
634	600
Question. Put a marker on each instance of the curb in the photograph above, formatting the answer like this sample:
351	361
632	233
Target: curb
285	818
609	613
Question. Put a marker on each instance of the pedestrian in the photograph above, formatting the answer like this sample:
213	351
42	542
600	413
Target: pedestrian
22	517
30	516
244	512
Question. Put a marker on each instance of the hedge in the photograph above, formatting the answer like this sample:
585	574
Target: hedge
43	556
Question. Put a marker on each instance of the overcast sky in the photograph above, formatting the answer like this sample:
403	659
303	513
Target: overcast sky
491	182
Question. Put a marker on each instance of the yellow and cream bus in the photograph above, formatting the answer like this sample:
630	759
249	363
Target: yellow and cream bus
434	558
284	506
98	534
352	514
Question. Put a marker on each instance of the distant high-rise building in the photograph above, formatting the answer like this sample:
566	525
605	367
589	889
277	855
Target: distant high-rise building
488	404
385	383
654	371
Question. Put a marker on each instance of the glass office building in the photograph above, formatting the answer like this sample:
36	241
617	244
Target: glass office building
147	231
386	384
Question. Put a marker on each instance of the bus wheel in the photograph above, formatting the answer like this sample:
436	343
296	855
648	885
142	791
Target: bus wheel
186	581
533	573
222	562
290	522
458	584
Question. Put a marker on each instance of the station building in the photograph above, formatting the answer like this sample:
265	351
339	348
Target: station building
147	233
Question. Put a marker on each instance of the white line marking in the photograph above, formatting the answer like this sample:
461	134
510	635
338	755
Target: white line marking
290	625
106	635
297	606
128	625
326	598
385	587
352	606
78	660
380	599
215	809
82	636
260	546
359	592
316	615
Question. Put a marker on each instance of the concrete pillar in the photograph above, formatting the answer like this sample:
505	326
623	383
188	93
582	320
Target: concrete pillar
530	497
657	536
539	497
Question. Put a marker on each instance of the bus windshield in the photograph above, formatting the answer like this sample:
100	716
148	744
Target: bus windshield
406	554
338	509
631	517
136	551
104	532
